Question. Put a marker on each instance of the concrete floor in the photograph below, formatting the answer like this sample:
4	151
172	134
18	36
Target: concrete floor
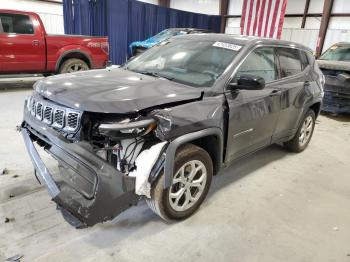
272	206
17	81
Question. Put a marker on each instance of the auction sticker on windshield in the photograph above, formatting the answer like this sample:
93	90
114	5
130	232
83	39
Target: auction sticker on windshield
227	46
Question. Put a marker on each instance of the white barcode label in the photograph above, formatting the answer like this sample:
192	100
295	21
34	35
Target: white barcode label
227	46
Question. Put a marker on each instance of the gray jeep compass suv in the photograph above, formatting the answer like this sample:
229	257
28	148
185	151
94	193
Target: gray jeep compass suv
160	126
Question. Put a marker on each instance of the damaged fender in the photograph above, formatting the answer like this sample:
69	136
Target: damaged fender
175	144
175	125
144	163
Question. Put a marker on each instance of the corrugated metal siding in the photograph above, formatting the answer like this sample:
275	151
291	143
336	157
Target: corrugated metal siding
53	23
334	36
307	37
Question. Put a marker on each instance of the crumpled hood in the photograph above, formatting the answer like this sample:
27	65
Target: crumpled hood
334	65
113	91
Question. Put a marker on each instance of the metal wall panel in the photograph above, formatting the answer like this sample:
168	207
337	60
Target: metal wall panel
53	23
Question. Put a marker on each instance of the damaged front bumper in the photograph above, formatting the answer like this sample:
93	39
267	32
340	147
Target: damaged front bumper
88	190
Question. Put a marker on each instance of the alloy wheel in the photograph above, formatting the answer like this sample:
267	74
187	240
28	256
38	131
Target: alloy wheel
188	185
76	68
305	131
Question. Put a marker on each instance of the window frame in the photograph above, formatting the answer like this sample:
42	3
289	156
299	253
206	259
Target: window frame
26	15
275	60
233	74
300	59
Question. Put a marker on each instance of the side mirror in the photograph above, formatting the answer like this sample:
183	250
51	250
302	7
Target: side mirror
248	82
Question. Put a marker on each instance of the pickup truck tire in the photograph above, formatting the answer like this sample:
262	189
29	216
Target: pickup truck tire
73	65
303	136
190	185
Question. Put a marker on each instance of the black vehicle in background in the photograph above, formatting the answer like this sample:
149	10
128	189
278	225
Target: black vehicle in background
335	65
164	123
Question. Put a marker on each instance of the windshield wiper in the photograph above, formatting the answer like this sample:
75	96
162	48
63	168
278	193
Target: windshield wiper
154	74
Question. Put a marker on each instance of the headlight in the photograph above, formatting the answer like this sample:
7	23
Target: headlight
28	102
137	127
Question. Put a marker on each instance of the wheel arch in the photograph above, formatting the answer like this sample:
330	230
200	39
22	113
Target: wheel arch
76	53
316	107
210	139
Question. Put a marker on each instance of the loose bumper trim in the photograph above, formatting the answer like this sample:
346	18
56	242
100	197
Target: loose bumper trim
112	191
43	173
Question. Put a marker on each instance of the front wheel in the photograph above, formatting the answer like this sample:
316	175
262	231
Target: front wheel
190	185
303	136
73	65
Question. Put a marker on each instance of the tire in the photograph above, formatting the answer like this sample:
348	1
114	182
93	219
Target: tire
187	157
303	136
73	65
47	74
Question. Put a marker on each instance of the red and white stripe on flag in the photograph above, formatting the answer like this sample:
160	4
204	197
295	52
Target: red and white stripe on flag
263	18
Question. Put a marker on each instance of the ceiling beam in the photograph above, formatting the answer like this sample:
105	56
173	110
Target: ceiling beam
327	10
164	3
223	13
306	10
301	15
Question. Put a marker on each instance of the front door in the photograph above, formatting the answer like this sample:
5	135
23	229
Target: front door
22	48
253	114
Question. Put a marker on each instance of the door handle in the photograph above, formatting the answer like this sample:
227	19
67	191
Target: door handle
275	92
306	83
35	43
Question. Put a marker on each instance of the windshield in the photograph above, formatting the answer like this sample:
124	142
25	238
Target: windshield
194	63
164	35
337	53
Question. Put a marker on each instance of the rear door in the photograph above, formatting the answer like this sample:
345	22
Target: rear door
253	114
295	78
22	44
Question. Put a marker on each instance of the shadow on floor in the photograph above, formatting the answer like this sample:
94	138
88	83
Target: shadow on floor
245	166
135	220
337	117
4	86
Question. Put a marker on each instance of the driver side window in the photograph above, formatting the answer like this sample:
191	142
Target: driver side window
261	62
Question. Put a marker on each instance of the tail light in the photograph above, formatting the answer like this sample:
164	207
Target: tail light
105	47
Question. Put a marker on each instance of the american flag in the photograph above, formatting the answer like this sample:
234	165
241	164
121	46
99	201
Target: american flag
263	18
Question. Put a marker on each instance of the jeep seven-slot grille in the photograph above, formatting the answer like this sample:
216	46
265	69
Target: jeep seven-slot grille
58	118
48	115
39	111
54	115
72	120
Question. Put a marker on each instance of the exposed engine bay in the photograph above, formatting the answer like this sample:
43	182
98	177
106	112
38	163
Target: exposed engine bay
130	143
131	146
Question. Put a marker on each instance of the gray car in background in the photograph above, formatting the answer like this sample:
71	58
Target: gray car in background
335	65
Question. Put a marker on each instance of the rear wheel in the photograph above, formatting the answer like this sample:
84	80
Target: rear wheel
73	65
303	136
190	185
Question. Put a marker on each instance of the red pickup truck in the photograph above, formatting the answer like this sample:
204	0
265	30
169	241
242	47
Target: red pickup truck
25	47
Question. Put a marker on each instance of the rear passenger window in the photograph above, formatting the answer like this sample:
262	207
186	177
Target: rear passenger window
289	61
261	63
15	24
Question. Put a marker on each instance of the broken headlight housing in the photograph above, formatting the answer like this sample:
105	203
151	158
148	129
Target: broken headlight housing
128	128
